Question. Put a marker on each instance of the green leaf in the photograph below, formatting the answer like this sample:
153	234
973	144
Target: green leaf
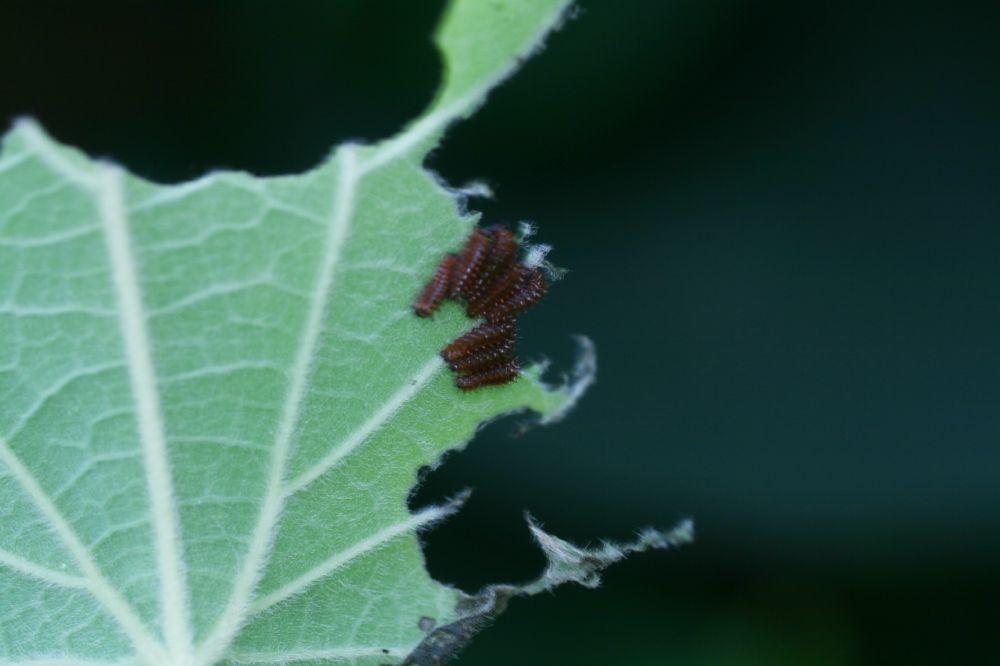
214	398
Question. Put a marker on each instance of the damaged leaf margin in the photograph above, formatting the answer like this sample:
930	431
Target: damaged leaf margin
566	563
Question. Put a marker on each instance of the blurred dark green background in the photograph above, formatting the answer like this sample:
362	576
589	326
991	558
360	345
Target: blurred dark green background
782	224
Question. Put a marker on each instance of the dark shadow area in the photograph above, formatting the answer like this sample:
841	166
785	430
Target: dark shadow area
174	89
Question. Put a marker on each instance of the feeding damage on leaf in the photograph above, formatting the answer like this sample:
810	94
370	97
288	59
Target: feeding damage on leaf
566	563
497	285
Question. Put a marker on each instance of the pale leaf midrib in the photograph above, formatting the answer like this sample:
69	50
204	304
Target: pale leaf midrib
238	607
149	418
99	587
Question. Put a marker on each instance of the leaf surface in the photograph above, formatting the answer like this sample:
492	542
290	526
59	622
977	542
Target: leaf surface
215	399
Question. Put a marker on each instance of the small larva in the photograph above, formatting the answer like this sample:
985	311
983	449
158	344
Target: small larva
484	336
501	258
504	287
488	275
485	358
501	374
435	291
470	263
532	292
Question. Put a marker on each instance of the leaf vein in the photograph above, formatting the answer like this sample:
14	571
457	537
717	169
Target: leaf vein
235	612
42	573
98	585
149	419
350	443
340	559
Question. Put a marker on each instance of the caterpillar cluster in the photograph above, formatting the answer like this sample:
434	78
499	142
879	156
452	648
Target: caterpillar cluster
490	278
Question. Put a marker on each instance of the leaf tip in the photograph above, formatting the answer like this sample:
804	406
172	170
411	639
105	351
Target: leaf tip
27	127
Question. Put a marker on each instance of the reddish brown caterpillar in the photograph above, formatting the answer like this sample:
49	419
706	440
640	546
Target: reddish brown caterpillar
471	262
437	288
482	357
484	336
531	290
494	376
501	289
499	262
495	285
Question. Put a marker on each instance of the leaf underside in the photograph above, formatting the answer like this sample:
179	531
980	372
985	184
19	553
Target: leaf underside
215	399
